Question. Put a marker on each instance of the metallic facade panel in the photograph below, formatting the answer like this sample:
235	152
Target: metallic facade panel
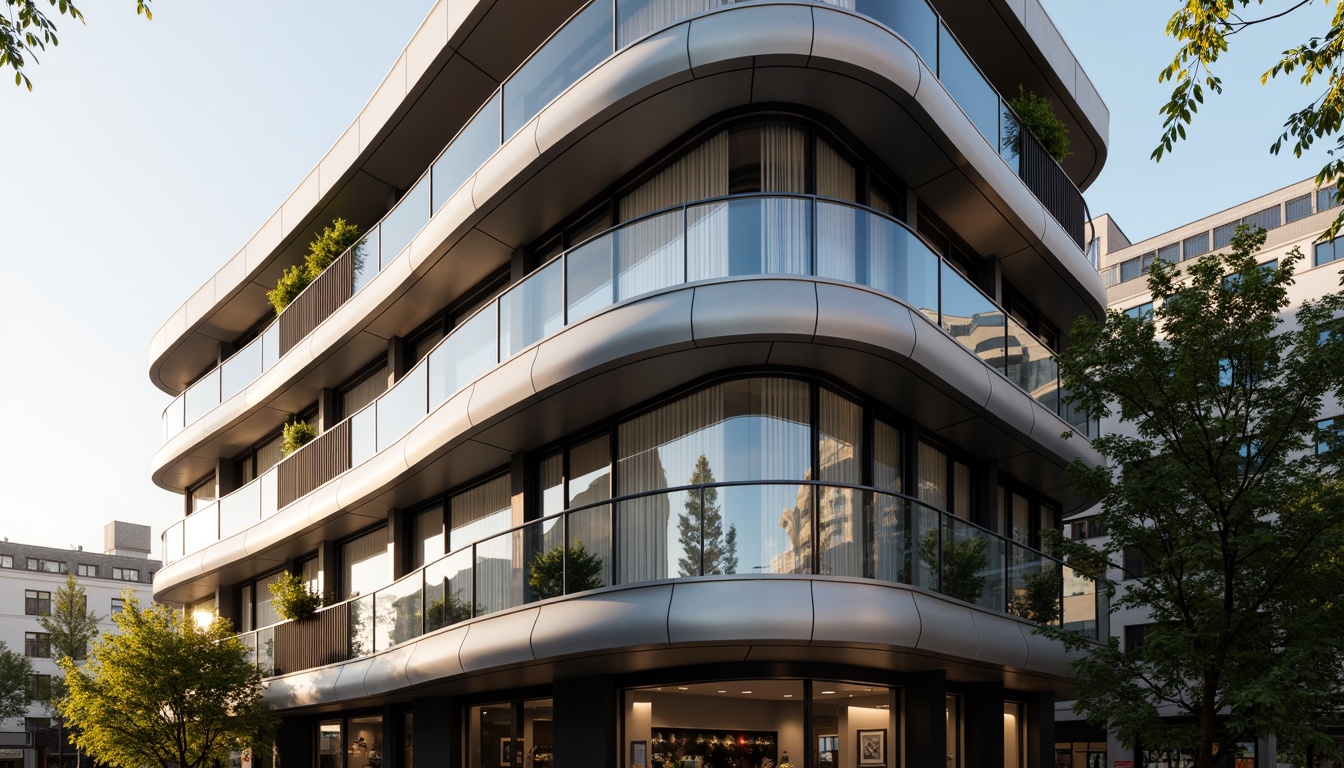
435	656
754	309
506	167
336	163
445	423
951	363
623	618
350	682
1011	405
660	59
503	387
387	669
384	102
499	640
429	40
659	324
300	203
854	45
302	688
1001	640
851	613
726	609
946	626
863	319
759	30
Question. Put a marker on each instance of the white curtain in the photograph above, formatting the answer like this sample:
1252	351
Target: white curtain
700	174
840	510
932	487
363	393
365	564
428	537
890	546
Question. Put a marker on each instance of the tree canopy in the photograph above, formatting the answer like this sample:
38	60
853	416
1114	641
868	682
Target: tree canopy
1215	482
1206	29
14	694
71	624
165	691
25	29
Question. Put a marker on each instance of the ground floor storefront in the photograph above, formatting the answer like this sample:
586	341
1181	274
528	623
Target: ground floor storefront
705	719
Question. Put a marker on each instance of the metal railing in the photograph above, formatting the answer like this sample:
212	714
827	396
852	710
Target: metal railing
823	529
593	34
717	239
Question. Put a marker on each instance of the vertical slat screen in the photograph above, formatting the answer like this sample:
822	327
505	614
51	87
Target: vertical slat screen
313	642
327	293
325	457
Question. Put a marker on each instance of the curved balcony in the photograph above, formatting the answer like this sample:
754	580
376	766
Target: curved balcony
593	35
861	533
773	235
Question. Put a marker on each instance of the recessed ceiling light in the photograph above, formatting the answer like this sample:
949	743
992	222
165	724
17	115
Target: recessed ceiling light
746	691
722	691
682	688
867	689
788	695
827	693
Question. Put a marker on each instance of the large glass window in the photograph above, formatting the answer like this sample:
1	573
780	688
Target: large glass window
330	745
427	536
853	725
365	564
578	47
480	512
511	734
750	429
366	743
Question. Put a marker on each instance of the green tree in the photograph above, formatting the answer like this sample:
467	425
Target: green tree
163	691
700	526
1036	114
1215	482
15	670
548	571
72	626
1204	31
26	29
730	550
963	562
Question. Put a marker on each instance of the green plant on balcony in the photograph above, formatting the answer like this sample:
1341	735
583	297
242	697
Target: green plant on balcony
547	576
328	246
293	599
296	434
1036	114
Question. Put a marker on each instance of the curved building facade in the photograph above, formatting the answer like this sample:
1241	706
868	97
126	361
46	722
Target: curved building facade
689	399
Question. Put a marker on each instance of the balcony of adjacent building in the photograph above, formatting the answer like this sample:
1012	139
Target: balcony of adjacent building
586	41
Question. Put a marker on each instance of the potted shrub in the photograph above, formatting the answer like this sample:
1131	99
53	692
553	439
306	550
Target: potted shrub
328	246
296	435
1036	114
293	599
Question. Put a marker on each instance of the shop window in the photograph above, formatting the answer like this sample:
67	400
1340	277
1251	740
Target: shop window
407	740
330	745
366	743
1014	732
738	722
1080	754
511	734
954	725
853	725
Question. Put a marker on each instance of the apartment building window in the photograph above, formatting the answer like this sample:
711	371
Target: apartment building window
1326	434
1330	250
1087	528
201	495
1134	637
126	574
118	604
37	645
1134	564
368	386
84	569
1222	234
258	459
366	564
39	686
1195	245
6	561
1266	219
1325	198
1297	209
36	603
36	723
1141	312
46	566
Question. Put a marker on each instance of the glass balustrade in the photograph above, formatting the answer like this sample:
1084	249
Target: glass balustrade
695	242
733	237
781	527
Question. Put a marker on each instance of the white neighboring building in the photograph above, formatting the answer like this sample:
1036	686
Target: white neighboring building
30	575
1293	217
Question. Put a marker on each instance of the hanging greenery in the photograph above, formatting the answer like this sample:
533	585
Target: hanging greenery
296	435
1036	114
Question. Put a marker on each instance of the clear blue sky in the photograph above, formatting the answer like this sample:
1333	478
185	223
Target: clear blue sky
149	152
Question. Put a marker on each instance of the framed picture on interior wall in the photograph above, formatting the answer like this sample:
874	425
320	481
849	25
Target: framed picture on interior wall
639	752
508	749
872	746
